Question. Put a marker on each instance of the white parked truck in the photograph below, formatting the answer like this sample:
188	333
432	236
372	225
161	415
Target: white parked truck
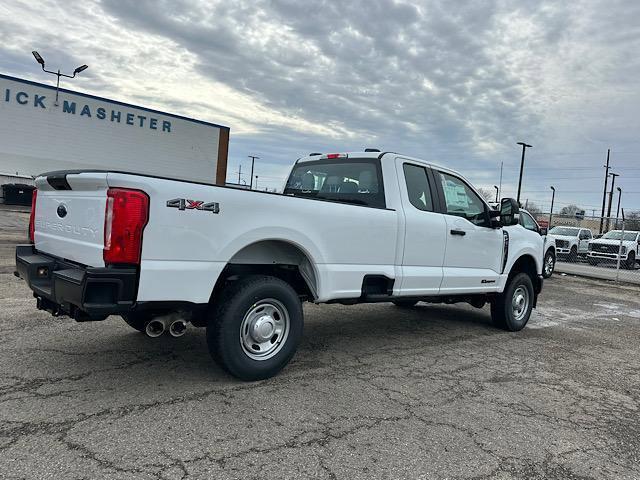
571	242
616	246
349	228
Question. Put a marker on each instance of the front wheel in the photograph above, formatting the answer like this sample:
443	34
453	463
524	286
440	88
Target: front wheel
631	261
255	327
549	264
511	309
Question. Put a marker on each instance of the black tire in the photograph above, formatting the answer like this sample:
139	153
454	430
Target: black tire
502	312
549	257
573	254
630	264
224	337
405	303
138	320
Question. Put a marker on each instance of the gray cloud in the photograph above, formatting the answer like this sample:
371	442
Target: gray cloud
458	83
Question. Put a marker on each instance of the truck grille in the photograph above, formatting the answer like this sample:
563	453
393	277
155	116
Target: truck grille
604	248
562	243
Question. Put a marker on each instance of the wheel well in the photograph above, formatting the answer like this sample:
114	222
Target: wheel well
277	258
526	264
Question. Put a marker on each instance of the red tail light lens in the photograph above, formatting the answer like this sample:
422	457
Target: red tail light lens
126	215
32	217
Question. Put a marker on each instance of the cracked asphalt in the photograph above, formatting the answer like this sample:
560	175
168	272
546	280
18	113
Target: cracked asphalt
374	392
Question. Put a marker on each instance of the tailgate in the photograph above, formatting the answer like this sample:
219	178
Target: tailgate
69	217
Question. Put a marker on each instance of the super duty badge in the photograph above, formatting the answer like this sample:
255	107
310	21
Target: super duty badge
184	204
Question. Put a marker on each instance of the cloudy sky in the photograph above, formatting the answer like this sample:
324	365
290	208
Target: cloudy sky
458	83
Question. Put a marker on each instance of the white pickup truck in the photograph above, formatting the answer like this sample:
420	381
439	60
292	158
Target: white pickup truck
616	246
348	228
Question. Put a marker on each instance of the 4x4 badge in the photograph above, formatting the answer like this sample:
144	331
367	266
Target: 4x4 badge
185	204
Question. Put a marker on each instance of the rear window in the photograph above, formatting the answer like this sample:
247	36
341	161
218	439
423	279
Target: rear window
351	180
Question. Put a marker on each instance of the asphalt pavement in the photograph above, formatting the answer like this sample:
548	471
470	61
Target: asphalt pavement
374	392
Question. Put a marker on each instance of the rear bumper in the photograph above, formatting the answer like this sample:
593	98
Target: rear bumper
83	293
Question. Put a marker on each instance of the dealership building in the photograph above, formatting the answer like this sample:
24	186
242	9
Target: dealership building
78	131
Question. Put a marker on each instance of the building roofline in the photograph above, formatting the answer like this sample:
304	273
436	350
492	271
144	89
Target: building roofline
115	102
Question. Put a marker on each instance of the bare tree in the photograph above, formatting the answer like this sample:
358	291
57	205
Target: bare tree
533	209
570	210
488	195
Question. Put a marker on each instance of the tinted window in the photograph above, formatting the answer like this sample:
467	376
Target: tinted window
418	187
462	201
355	181
616	234
528	222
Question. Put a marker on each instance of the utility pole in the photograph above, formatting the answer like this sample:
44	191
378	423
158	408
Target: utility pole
256	182
497	193
553	197
613	183
618	209
524	147
500	184
239	173
253	159
604	195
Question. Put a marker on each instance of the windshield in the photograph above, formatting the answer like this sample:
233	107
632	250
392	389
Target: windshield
354	181
565	231
616	234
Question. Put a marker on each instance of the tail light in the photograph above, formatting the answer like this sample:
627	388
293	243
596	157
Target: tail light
32	217
126	215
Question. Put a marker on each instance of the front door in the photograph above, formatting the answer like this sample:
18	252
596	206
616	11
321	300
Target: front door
473	256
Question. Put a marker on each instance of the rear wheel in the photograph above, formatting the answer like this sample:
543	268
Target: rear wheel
405	303
511	310
549	264
255	327
573	254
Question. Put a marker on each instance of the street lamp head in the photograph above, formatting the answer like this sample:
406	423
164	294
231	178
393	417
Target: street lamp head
553	188
525	145
38	58
619	189
81	68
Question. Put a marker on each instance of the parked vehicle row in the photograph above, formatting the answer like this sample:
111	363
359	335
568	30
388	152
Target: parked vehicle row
574	242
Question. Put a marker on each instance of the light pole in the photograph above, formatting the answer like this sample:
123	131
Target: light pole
618	209
613	183
40	60
553	197
497	193
253	159
256	182
500	183
524	147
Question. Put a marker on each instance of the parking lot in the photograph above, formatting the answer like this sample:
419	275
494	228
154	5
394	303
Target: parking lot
374	392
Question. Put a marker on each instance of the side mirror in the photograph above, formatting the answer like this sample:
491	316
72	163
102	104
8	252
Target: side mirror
509	212
543	231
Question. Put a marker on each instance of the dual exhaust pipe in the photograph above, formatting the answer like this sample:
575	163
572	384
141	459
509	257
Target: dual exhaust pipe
157	326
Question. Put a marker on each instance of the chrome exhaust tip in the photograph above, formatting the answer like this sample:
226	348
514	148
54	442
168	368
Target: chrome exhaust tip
177	328
155	328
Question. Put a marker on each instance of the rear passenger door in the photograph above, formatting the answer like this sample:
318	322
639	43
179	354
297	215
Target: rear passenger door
473	256
424	230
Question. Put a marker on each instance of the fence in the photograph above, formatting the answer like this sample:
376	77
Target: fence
582	250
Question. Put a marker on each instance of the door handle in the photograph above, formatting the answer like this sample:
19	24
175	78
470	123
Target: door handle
462	233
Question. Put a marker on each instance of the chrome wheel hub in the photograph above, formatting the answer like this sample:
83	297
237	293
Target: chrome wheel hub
264	329
520	303
548	266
